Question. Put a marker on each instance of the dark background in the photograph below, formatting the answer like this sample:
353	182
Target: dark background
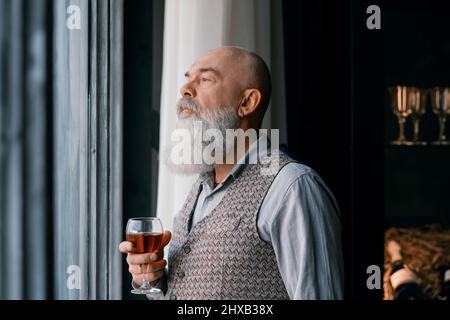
141	123
334	64
417	52
339	122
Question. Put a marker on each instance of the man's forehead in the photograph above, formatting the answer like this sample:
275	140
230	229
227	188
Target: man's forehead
206	63
215	59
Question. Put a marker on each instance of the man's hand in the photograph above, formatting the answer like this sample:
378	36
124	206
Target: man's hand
149	266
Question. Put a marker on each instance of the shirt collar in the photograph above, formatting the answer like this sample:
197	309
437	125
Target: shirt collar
252	153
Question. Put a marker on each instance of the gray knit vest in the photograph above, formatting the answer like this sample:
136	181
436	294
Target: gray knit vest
223	256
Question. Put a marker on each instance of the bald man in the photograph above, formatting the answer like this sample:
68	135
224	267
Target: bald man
242	234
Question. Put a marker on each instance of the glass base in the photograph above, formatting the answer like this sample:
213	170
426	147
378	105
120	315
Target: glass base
441	143
418	143
149	291
402	143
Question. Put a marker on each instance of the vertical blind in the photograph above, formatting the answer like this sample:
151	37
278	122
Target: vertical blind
24	111
87	149
60	149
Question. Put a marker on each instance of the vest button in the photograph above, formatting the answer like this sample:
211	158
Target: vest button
187	249
173	297
181	274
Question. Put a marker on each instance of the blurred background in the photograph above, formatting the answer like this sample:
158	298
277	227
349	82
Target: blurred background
87	91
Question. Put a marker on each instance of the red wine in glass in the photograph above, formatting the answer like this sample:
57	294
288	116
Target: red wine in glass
145	242
146	236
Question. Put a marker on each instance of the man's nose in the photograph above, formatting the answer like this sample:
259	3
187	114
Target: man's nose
187	91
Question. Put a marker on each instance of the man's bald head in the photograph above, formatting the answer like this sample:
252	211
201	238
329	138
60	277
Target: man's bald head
260	79
252	69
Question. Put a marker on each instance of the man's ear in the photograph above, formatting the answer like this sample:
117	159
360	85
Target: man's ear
250	102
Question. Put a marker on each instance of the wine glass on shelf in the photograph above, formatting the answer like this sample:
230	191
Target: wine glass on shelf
418	109
440	104
401	100
146	236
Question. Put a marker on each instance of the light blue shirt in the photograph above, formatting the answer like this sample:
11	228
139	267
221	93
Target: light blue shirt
299	217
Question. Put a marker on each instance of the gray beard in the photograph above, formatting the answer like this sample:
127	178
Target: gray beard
221	120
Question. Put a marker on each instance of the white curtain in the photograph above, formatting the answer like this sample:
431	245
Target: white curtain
192	27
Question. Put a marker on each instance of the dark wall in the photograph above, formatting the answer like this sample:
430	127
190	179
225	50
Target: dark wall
140	127
137	106
340	124
333	65
366	226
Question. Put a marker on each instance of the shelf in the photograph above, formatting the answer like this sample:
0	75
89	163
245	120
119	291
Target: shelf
416	147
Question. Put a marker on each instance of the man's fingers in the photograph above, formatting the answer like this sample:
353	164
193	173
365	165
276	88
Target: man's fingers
147	268
143	258
150	277
125	247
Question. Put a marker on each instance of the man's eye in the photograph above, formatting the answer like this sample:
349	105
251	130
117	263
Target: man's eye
205	79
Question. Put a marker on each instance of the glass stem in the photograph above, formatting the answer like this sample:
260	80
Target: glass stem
145	283
401	124
416	129
442	121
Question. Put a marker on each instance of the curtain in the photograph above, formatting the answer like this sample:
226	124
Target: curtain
193	27
60	149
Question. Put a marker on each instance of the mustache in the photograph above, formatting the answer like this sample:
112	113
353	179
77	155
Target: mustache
186	103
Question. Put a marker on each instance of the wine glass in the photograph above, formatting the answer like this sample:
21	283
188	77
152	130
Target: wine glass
440	104
401	99
146	236
418	108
